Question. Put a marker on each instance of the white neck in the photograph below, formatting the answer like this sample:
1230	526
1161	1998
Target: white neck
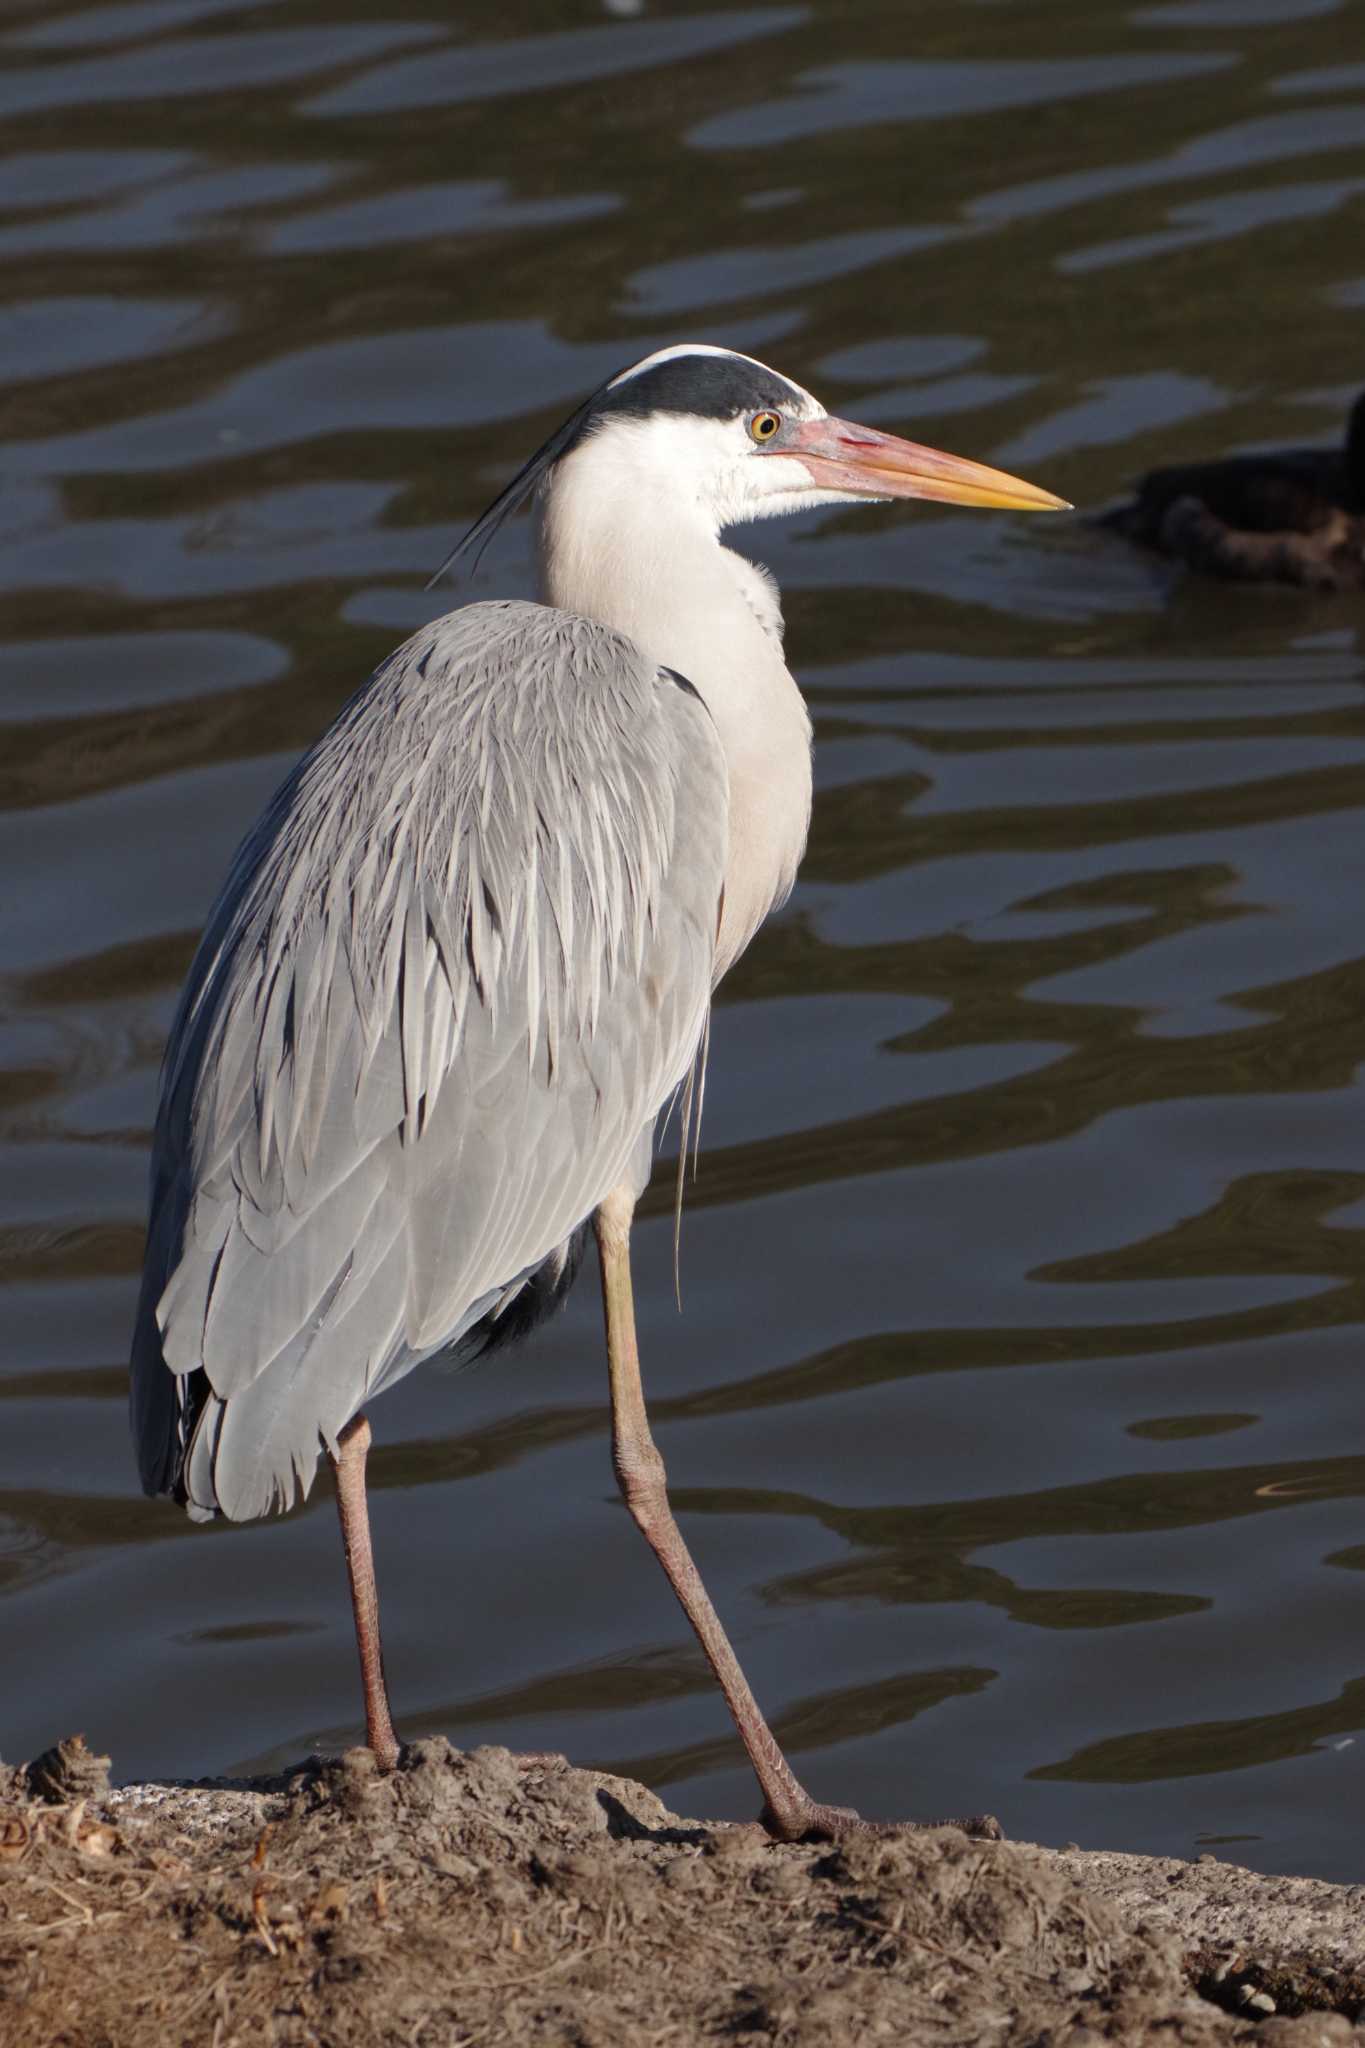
638	555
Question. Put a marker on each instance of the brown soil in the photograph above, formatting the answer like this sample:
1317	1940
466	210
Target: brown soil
474	1899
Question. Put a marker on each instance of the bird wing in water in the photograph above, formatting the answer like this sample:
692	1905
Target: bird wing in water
457	968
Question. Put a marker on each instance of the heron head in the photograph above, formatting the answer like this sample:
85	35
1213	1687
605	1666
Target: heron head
748	443
707	428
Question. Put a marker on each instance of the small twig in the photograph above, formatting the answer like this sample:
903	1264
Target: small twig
78	1905
203	1997
531	1976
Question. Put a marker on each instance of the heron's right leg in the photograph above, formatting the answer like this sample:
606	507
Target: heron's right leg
789	1812
348	1464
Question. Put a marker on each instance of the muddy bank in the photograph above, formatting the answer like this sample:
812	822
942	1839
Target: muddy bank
473	1899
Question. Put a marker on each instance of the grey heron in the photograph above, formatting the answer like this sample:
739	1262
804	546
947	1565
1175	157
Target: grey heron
466	957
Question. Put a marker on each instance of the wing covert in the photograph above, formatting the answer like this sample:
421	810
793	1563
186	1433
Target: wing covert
457	968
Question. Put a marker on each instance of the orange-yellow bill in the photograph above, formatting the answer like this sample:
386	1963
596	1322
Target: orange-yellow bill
868	464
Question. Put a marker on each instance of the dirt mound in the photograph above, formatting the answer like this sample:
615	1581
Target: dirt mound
481	1898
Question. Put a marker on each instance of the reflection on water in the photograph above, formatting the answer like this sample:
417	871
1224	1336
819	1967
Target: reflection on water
1015	1409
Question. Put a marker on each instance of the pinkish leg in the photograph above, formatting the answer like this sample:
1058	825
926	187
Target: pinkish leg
789	1812
348	1464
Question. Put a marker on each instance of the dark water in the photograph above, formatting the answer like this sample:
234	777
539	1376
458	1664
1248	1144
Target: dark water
1017	1409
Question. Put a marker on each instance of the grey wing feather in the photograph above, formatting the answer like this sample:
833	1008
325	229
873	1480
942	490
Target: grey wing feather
457	969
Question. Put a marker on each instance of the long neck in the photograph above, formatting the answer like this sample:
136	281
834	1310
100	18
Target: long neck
653	567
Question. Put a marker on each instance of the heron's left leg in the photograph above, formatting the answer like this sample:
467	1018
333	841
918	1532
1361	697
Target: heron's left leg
789	1812
348	1464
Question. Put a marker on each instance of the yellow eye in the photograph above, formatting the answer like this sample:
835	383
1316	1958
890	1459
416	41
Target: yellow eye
764	425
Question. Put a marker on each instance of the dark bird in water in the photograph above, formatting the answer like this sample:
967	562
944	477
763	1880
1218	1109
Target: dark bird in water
1286	515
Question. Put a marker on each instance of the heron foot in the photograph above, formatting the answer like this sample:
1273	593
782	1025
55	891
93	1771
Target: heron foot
388	1756
815	1822
385	1751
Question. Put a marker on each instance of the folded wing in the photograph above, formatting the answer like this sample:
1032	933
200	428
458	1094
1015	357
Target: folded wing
457	969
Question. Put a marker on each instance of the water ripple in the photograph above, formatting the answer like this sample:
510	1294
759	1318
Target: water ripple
1014	1407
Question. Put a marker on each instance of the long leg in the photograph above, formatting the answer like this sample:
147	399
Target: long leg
789	1812
348	1464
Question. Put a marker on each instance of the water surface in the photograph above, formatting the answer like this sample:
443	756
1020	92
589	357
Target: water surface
1015	1409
